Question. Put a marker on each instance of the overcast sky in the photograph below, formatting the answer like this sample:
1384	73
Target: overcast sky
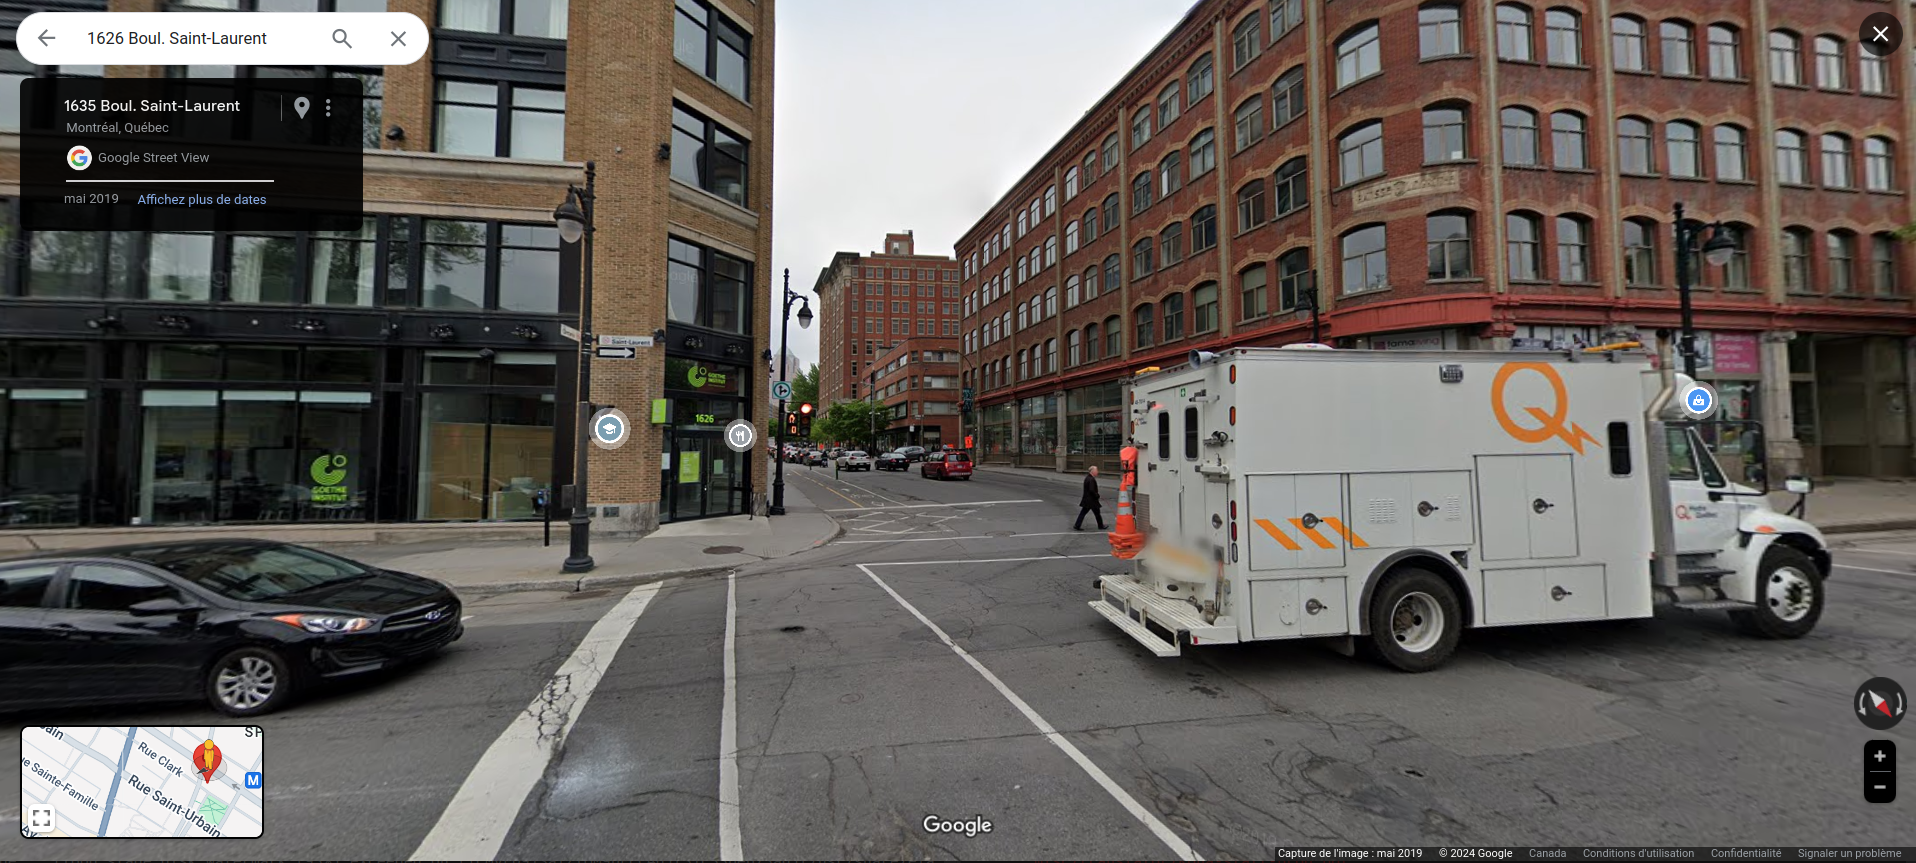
897	115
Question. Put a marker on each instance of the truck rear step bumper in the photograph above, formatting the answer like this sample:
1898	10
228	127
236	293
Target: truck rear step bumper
1131	605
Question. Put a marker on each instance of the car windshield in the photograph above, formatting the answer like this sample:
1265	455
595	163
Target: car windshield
958	456
250	571
856	454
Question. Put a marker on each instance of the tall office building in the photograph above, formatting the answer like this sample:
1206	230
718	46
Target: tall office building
869	303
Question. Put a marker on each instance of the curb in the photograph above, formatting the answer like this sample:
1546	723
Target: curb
583	583
1867	526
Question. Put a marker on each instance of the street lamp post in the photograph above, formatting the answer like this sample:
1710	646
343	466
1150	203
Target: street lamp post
1717	251
574	220
784	351
1307	302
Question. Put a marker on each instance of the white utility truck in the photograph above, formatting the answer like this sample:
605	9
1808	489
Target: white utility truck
1393	498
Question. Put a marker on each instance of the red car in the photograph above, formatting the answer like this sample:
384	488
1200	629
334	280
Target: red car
946	465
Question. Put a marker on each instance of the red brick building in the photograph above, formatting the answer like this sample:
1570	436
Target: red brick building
917	381
869	303
1468	175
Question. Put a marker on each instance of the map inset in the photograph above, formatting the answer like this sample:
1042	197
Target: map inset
126	781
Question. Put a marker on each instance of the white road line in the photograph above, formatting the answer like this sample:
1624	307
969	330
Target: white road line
1164	833
1904	572
984	560
945	538
930	505
481	813
731	845
1864	549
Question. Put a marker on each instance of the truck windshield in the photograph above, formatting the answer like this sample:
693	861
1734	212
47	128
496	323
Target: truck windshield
1690	460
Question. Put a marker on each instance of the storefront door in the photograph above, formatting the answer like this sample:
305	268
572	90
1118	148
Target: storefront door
704	478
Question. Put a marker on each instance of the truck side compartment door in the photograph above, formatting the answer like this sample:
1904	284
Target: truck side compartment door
1297	521
1297	607
1428	509
1529	506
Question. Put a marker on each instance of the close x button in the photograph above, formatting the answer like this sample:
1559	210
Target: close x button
1879	771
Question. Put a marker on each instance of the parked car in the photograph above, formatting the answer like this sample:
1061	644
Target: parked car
855	459
893	460
947	465
915	453
834	452
815	456
244	624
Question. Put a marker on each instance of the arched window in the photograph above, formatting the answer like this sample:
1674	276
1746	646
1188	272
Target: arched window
1090	225
1051	302
1170	175
1679	47
1140	192
1563	37
1250	205
1140	127
1837	162
1447	242
1204	228
1171	309
1626	43
1523	246
1360	152
1204	313
1090	282
1634	147
1366	266
1111	212
1879	165
1294	278
1736	273
1439	31
1685	159
1882	263
1513	32
1250	121
1829	63
1796	259
1792	157
1573	249
1109	153
1726	52
1171	245
1446	133
1144	327
1569	147
1113	336
1091	342
1198	81
1141	258
1358	56
1071	236
1167	105
1639	252
1203	152
1252	293
1732	153
1073	348
1786	58
1247	41
1110	274
1521	146
1073	292
1290	188
1287	97
1841	246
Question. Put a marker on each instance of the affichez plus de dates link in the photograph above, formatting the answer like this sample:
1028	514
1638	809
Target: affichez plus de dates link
117	37
170	105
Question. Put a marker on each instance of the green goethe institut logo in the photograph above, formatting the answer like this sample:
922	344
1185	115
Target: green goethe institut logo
329	479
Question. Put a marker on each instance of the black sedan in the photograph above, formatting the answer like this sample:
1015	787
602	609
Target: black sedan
893	460
244	624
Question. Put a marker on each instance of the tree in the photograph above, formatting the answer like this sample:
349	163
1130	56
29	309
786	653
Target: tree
846	421
1907	233
805	386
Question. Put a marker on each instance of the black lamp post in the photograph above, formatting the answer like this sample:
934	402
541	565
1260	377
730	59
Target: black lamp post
574	219
1717	251
784	351
1307	303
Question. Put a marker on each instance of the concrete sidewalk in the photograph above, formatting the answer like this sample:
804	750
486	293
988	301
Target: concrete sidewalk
1838	505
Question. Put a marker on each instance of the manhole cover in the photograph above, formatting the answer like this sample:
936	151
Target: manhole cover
724	549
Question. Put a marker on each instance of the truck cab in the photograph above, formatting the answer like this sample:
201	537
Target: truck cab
1391	499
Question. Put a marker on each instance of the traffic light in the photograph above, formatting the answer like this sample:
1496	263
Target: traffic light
791	424
805	420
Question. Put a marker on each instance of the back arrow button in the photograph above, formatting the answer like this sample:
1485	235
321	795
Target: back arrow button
44	37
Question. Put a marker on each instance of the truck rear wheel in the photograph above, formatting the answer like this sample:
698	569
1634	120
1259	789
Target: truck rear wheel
1415	620
1789	596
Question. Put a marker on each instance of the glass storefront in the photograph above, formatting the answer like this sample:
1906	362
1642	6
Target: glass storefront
995	422
485	434
702	477
42	456
1038	431
1094	429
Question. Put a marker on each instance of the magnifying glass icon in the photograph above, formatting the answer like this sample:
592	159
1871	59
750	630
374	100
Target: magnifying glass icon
339	36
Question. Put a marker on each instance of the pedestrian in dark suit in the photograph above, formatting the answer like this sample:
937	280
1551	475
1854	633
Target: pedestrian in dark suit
1089	502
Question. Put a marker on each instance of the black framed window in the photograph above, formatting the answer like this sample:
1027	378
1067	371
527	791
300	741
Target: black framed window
707	155
1290	188
541	19
707	288
1172	311
1294	278
1204	228
1287	97
712	45
1439	31
486	118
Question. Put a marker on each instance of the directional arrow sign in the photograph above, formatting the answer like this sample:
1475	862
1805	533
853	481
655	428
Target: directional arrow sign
44	37
605	353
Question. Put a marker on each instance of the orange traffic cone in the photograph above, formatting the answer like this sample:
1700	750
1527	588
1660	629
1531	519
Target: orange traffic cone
1126	540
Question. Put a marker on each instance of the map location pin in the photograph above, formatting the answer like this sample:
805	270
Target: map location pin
300	105
207	759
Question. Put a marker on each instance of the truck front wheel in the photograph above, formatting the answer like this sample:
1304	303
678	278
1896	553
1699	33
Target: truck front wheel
1415	620
1789	596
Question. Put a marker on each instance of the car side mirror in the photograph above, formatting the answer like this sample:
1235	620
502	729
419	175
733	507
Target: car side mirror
162	606
1799	485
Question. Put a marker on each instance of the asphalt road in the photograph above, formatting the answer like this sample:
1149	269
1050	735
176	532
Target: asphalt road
553	731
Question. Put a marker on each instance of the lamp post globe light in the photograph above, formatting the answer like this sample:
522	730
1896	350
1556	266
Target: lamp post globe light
573	217
1716	251
784	341
1307	304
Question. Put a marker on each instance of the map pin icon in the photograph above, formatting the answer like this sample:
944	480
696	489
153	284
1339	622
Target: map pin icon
300	105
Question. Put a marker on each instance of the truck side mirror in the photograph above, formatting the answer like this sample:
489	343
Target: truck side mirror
1798	485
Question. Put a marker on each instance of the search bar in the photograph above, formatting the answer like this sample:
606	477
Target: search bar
222	38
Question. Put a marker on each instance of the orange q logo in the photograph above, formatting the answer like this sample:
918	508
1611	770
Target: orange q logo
1551	422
